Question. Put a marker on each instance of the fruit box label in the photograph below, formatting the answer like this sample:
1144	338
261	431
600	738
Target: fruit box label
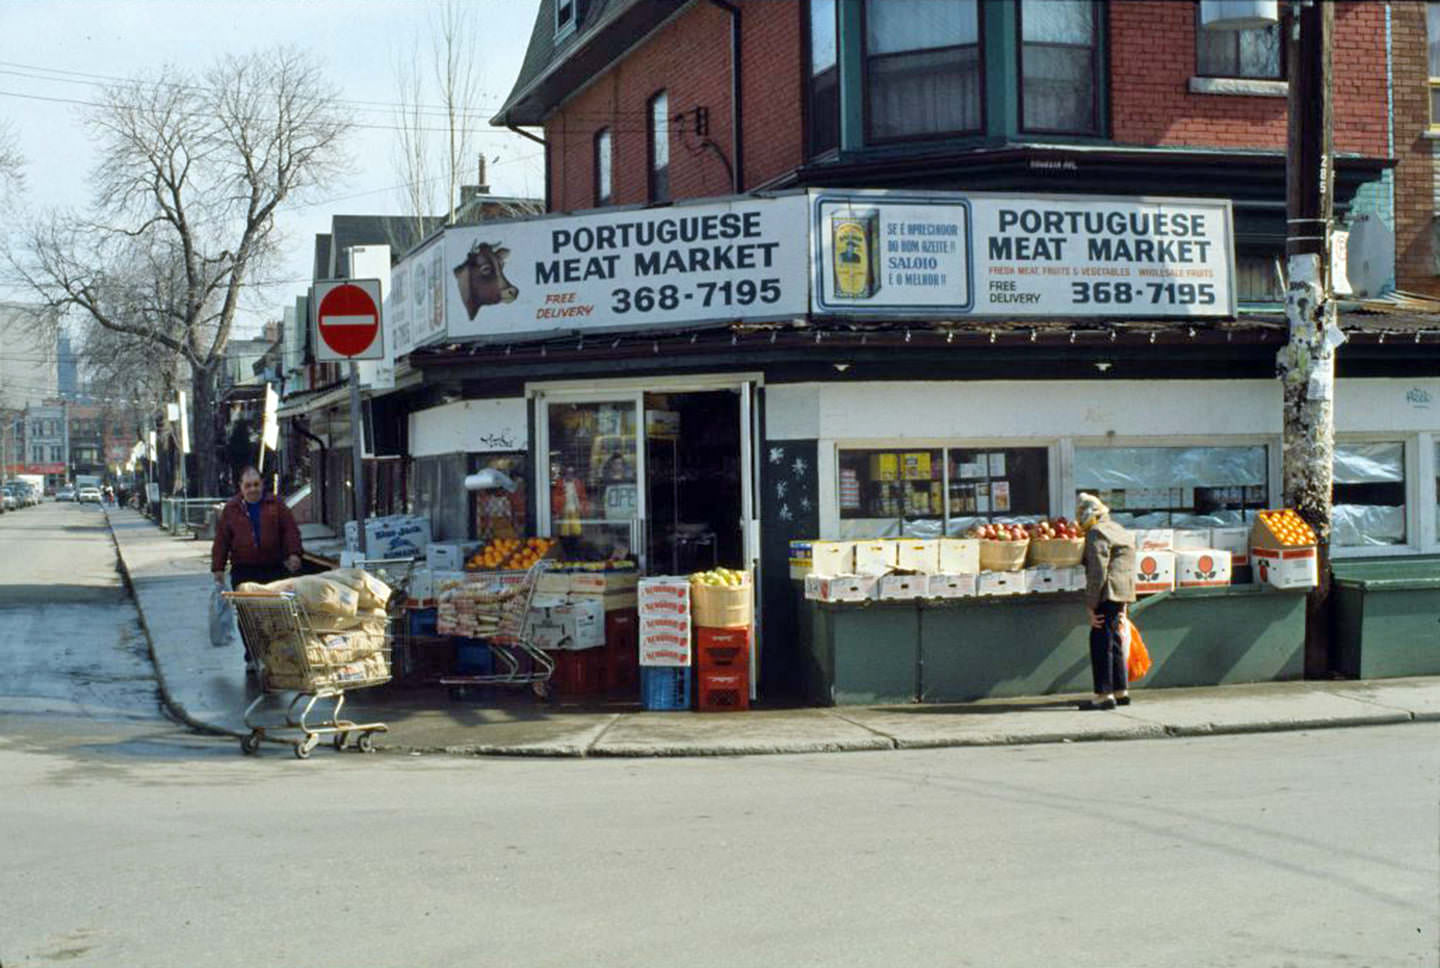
1202	567
1154	571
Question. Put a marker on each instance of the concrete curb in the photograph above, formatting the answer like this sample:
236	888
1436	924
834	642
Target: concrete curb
173	707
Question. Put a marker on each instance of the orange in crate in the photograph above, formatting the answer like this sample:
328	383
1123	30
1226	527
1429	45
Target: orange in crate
1286	528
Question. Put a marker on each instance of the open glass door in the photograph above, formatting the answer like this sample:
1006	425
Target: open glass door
594	466
750	514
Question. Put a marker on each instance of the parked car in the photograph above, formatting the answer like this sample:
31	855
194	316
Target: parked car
66	493
8	499
32	494
90	494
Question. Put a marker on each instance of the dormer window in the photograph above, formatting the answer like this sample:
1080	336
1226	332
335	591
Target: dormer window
564	18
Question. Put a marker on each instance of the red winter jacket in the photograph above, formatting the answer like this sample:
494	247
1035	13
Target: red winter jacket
279	535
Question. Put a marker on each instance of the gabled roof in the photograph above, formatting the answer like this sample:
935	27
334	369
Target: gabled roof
553	70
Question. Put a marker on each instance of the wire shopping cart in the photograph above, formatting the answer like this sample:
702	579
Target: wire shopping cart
313	662
501	617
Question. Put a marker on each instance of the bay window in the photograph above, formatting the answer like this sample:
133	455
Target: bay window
1059	66
923	72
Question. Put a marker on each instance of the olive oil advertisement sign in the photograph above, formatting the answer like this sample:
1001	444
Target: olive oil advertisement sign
877	253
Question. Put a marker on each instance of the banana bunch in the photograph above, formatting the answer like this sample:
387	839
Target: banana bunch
720	577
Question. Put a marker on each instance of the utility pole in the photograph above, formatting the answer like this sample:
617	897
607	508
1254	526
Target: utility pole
1306	364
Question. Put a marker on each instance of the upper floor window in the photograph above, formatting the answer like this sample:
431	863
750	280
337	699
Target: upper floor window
823	86
604	167
564	18
1059	66
1432	29
1242	53
658	111
923	73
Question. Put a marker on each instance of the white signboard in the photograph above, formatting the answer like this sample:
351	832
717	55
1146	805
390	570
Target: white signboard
877	253
676	266
470	426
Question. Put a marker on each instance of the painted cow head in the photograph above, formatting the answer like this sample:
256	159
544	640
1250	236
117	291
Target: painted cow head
481	278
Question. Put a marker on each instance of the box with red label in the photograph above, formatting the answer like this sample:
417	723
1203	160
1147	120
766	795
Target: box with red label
1234	540
1287	567
1154	571
1202	568
663	605
1154	539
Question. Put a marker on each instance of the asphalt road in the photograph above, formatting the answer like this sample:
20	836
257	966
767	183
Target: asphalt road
126	841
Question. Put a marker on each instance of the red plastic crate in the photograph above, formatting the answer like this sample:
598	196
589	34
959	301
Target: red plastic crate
722	649
578	673
622	653
725	690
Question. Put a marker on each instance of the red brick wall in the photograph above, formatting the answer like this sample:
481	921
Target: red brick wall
1152	59
690	59
1415	171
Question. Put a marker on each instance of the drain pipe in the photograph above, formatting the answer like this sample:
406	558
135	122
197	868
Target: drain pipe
737	113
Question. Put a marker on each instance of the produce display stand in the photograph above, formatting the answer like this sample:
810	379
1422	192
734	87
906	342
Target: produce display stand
279	633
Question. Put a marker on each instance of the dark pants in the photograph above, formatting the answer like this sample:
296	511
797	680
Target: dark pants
1107	655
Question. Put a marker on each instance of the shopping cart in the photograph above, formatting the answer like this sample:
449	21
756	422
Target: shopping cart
502	613
295	655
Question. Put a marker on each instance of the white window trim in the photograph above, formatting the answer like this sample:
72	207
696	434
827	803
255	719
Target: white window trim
561	32
1239	86
1425	510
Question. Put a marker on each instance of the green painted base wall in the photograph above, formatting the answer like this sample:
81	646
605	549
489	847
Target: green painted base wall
1387	618
1039	644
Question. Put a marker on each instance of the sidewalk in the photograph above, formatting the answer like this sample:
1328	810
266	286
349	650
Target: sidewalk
205	687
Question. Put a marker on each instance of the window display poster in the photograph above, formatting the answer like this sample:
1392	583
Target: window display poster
1000	494
997	465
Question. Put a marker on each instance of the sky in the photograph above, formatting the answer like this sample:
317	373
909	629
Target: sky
53	52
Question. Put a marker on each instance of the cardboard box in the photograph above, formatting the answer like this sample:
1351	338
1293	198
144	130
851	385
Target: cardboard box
959	556
914	554
953	586
1154	571
1202	568
1000	583
884	467
1191	540
583	620
553	583
1234	540
802	559
1286	568
548	635
833	557
603	582
449	555
875	557
1074	577
1154	539
841	588
915	466
422	584
903	587
1045	578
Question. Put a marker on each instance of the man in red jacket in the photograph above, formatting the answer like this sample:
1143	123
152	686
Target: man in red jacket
257	534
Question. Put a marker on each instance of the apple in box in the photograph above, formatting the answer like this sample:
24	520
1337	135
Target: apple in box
1154	571
1202	567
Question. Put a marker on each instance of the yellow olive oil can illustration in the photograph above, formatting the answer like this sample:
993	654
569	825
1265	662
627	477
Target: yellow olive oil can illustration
855	253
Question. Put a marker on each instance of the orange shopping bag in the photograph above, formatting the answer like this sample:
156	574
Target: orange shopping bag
1137	659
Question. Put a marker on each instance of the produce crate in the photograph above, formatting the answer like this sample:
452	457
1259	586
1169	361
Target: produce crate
473	658
721	606
1056	552
722	648
1003	555
579	673
664	688
722	690
622	652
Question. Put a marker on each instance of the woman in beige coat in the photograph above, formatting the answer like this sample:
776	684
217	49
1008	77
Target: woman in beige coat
1109	586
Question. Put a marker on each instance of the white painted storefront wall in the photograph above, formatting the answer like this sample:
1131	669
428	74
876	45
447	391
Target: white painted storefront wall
470	427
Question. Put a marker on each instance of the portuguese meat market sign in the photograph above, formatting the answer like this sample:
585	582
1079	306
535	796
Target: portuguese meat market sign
891	254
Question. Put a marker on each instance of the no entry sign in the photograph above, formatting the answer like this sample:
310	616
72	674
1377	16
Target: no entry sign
347	320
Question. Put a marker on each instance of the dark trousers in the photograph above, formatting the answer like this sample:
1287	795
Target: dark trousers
1107	655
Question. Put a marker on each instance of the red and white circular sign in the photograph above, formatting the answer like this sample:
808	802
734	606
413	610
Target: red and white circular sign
348	319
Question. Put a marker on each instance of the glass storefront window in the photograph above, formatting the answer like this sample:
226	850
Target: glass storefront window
1437	490
904	486
594	489
996	484
1368	498
1176	487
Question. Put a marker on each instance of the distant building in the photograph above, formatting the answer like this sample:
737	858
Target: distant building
46	444
68	368
28	371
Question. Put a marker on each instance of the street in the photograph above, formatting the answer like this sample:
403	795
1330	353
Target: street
128	841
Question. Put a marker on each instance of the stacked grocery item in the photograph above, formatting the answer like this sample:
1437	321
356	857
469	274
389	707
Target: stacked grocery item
664	609
343	638
1283	548
723	609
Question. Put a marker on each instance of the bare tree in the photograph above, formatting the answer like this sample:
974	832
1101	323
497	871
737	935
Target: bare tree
192	171
12	166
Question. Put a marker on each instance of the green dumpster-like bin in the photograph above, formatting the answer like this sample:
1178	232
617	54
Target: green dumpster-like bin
864	653
1387	617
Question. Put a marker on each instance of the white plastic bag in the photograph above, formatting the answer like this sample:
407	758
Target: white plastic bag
222	618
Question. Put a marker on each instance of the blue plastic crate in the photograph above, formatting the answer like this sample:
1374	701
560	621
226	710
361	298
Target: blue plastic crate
473	658
665	688
422	621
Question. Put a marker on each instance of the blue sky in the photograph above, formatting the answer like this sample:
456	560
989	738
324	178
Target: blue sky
54	51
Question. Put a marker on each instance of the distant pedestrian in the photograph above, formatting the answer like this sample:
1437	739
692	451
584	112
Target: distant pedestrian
1109	586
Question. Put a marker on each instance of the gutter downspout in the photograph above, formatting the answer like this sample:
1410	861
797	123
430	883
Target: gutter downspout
737	113
541	142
